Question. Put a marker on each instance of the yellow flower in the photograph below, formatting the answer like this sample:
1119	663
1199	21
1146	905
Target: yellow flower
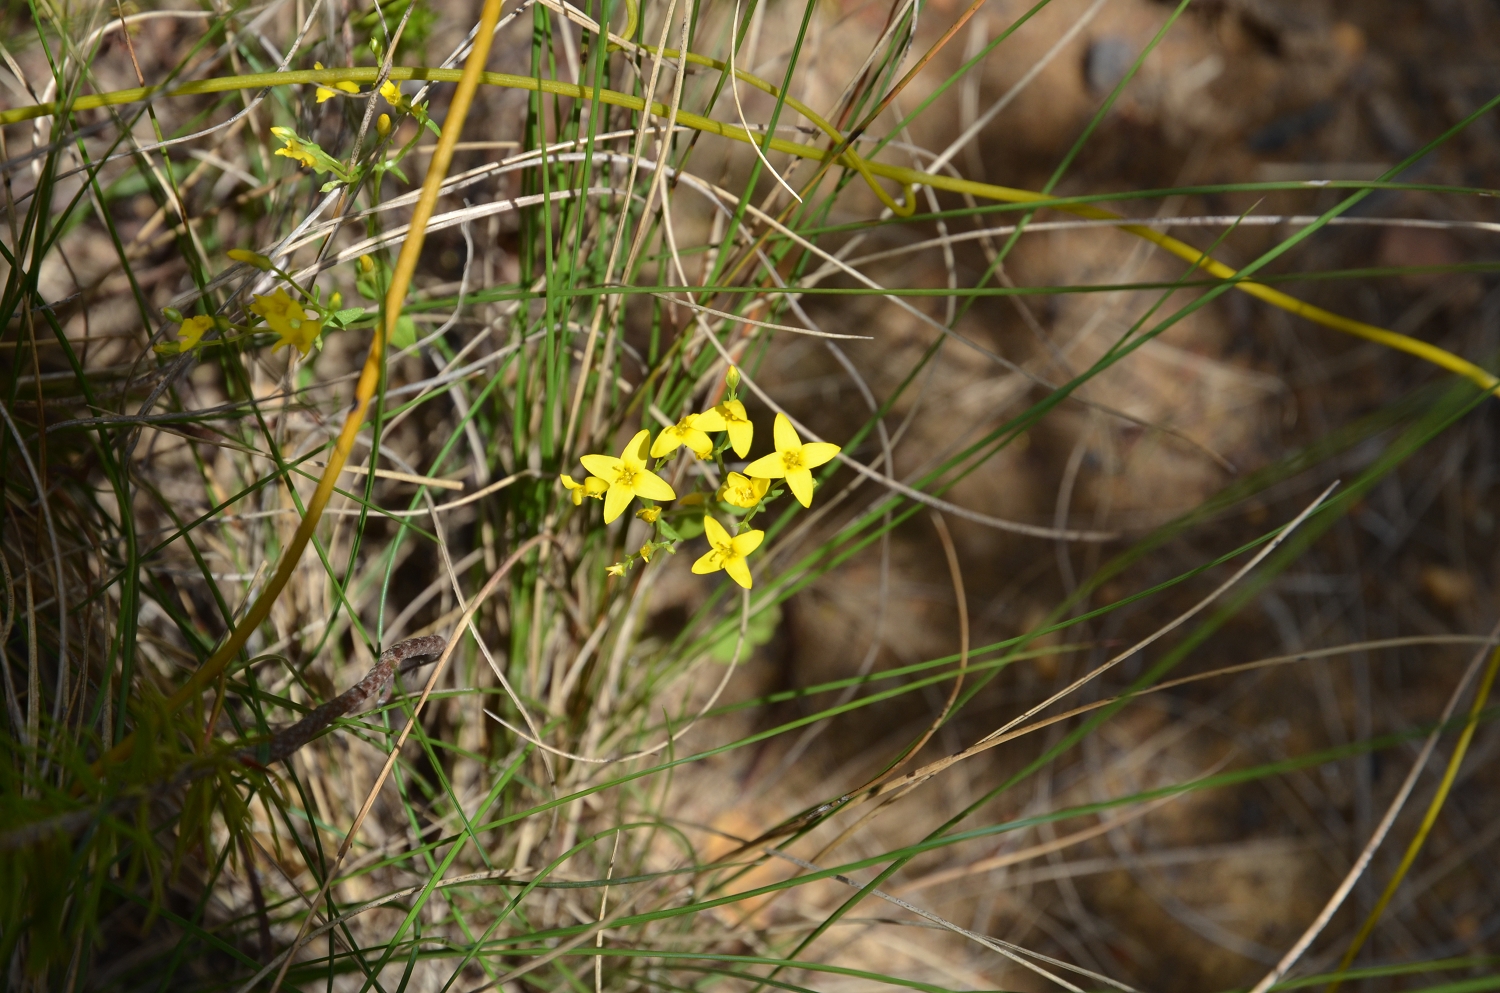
628	477
591	487
324	93
727	553
793	461
287	318
648	514
618	569
250	258
646	551
730	416
391	92
739	491
192	330
684	432
295	149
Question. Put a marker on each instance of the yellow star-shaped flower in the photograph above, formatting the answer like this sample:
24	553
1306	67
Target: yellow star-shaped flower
628	477
684	432
324	93
793	461
727	553
590	487
295	149
192	330
618	569
730	416
287	318
740	491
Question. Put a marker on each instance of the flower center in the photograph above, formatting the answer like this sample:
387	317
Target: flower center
626	477
791	460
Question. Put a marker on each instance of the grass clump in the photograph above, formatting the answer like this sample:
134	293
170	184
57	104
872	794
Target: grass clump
329	350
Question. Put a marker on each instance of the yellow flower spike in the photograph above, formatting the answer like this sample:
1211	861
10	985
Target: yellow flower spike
192	331
730	416
295	149
743	492
628	477
793	461
289	320
250	258
684	432
727	553
649	514
618	569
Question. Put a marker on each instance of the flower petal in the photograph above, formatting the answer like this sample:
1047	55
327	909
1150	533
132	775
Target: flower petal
815	453
709	562
701	444
615	501
738	571
666	443
651	486
801	483
606	467
717	536
635	452
767	467
710	420
786	435
746	543
741	433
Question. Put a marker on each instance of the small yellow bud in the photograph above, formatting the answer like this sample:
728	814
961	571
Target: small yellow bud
646	550
732	378
250	258
383	125
366	264
336	300
649	514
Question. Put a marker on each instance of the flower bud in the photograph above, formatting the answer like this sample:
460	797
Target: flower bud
732	379
336	300
366	264
172	314
250	258
383	125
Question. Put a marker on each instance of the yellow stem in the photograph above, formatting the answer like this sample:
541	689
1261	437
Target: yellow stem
869	171
1449	775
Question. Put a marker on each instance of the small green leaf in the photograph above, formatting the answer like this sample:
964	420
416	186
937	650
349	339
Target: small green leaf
405	334
349	314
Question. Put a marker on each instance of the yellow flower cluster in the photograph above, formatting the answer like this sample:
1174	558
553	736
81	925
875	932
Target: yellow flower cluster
618	481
